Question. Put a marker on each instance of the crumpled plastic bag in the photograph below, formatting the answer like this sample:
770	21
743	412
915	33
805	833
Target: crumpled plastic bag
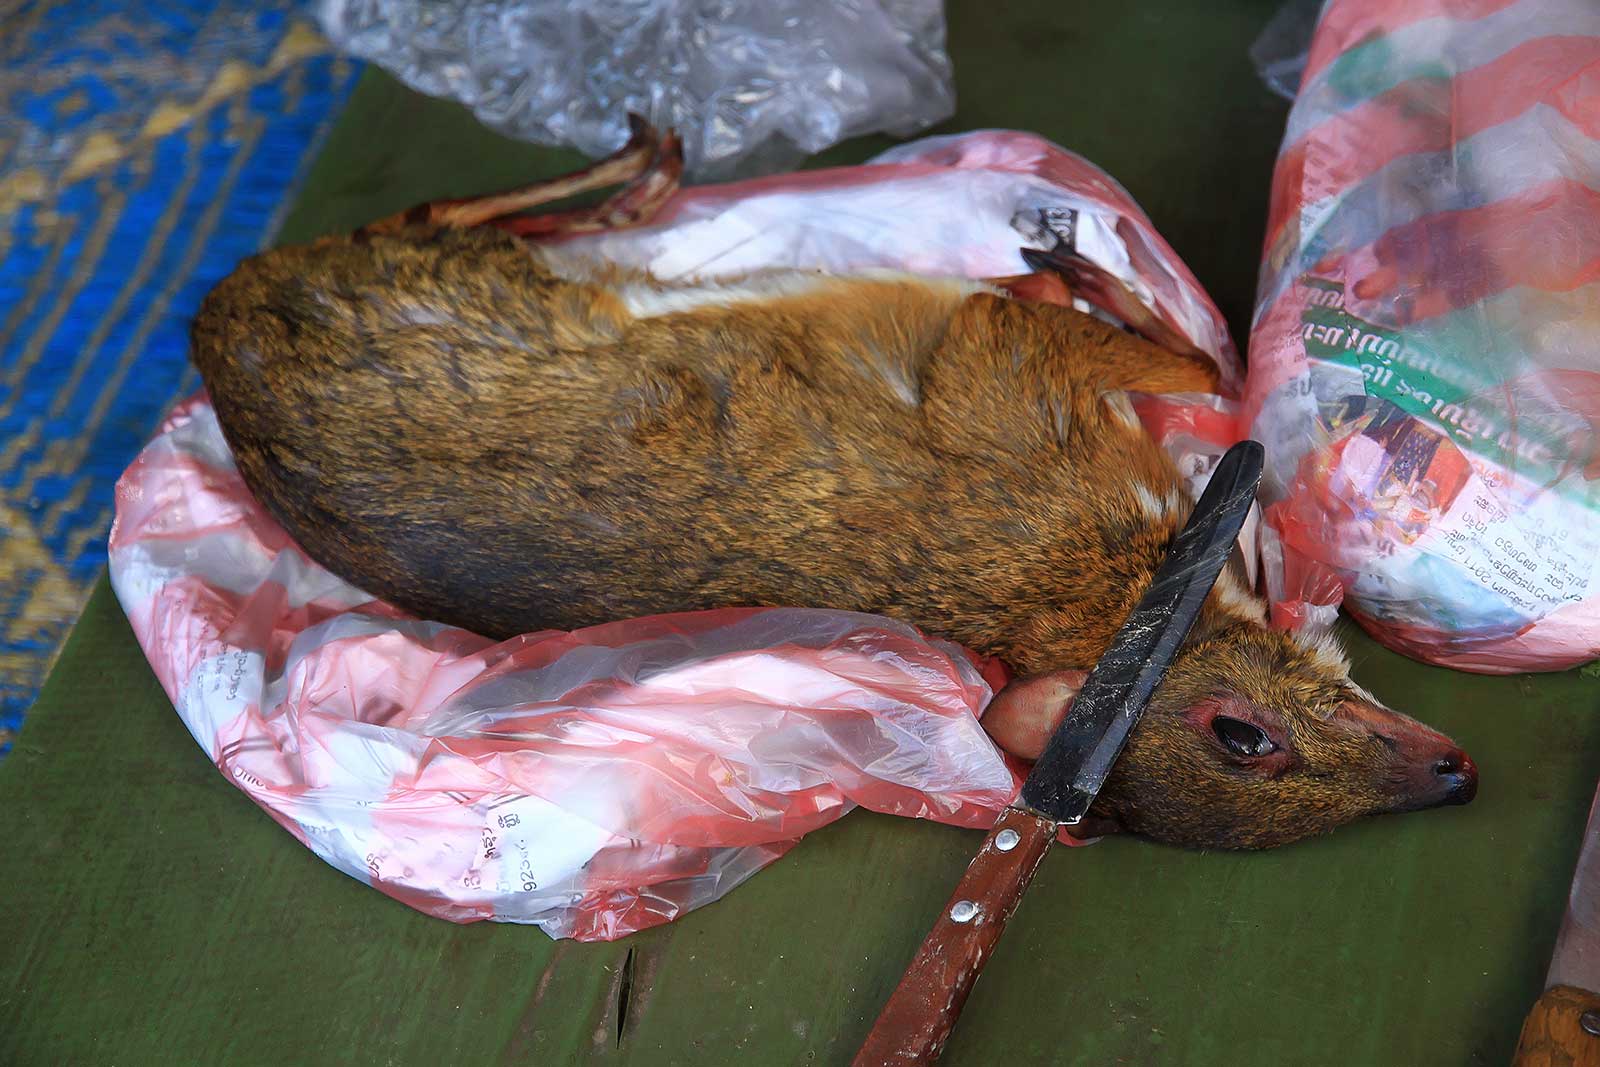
1280	51
1423	364
956	206
768	81
602	781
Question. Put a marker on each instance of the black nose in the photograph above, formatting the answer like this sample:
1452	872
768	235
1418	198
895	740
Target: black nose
1460	776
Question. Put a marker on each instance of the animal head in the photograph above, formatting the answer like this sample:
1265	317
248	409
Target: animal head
1254	739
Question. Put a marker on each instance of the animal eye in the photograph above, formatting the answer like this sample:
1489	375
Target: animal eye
1242	738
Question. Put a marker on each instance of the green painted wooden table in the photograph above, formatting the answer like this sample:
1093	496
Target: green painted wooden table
151	914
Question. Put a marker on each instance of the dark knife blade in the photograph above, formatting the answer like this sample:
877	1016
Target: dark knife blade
1074	765
1576	959
1564	1024
924	1006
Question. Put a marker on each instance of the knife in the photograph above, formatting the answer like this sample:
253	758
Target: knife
922	1010
1564	1026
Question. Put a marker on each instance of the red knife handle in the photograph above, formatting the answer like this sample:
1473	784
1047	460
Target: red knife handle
913	1026
1562	1030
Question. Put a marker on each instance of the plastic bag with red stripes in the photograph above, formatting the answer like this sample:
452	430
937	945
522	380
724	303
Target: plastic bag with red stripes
601	781
1424	368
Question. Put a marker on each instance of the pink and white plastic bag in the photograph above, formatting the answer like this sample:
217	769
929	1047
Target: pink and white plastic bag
1424	367
598	782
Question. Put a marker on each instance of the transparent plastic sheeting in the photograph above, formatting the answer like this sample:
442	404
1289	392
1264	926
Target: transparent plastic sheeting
756	82
598	782
956	206
1279	53
1424	366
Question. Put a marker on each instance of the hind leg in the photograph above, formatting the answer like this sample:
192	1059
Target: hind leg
648	168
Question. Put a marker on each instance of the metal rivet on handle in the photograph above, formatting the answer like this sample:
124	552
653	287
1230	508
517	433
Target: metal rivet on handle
1006	839
963	911
1590	1021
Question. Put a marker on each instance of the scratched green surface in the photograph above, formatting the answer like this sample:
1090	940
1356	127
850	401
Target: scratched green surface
150	914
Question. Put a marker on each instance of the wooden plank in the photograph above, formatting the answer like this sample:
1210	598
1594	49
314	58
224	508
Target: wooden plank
156	916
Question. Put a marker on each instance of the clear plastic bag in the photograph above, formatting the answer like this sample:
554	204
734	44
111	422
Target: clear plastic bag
961	206
762	84
599	782
1423	364
592	783
1279	53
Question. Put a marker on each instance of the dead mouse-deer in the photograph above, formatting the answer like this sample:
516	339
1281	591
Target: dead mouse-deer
491	433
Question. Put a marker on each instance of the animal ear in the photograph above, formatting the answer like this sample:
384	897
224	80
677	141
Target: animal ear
1022	717
1024	714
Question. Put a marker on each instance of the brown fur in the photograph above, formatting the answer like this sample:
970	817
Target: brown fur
447	421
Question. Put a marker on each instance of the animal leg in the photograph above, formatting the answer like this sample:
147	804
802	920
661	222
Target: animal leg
648	168
1149	369
1042	286
1170	364
1105	290
635	203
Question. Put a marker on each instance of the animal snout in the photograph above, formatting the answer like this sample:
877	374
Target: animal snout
1457	775
1426	768
1431	779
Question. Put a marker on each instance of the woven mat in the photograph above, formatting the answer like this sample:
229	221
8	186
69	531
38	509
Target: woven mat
146	147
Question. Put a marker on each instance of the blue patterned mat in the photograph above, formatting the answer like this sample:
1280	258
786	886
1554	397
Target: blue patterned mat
144	149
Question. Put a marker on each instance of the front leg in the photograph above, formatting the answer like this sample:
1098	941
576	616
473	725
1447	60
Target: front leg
1106	291
1173	366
